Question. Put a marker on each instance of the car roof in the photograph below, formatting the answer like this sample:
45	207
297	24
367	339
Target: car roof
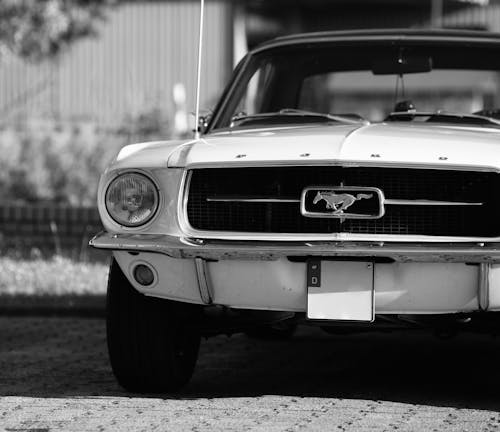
455	37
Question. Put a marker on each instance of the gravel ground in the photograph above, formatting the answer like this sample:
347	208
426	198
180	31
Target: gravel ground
54	376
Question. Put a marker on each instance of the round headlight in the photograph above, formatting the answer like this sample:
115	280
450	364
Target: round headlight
131	199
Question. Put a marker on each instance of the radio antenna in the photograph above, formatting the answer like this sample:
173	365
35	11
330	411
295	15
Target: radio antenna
198	77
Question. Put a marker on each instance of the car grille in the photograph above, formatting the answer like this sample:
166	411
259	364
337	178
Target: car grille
283	183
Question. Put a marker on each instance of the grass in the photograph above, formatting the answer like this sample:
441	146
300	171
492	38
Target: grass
55	284
56	276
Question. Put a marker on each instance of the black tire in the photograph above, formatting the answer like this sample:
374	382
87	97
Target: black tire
280	330
152	343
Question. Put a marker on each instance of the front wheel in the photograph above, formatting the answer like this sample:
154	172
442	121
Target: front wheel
152	343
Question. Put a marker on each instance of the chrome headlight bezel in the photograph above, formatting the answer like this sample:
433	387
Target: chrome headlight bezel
137	176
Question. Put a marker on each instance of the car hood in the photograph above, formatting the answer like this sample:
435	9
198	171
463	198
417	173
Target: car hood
402	143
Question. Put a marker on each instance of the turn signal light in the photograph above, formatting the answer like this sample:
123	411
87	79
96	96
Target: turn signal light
144	275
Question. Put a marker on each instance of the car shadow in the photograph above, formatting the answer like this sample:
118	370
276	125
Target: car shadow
67	357
407	367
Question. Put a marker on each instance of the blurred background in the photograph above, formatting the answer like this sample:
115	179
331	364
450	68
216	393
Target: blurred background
79	79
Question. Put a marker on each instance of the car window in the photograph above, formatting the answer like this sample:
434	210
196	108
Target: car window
373	96
252	99
344	81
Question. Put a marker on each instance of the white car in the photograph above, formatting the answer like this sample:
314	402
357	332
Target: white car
345	180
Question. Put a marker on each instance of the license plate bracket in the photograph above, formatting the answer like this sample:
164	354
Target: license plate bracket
340	290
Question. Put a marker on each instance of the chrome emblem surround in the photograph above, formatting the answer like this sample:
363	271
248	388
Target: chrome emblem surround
338	200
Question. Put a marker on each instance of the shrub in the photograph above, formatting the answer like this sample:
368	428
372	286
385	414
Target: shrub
61	163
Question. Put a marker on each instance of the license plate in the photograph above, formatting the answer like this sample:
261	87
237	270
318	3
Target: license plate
340	290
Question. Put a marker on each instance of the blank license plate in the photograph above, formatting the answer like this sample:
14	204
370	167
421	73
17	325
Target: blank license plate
340	290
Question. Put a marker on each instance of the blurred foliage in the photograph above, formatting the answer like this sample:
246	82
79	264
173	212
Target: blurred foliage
57	276
48	161
36	29
60	164
147	123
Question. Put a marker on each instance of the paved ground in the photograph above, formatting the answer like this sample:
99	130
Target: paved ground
54	376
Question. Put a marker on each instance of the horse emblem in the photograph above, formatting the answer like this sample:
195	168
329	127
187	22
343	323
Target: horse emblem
339	202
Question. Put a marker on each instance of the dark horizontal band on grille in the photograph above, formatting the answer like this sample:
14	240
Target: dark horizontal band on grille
418	201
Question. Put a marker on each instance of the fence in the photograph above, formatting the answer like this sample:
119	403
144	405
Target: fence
48	229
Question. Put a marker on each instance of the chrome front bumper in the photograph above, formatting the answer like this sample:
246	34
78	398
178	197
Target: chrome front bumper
179	247
409	278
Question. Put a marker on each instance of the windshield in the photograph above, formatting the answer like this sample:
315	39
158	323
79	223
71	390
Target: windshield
337	84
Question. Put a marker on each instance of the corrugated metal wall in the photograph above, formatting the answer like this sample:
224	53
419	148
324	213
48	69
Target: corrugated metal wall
143	49
482	18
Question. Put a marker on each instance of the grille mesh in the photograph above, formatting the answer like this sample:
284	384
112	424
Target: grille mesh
396	183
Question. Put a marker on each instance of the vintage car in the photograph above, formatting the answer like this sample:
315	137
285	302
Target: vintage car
346	180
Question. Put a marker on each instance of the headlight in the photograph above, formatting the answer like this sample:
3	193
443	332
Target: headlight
131	199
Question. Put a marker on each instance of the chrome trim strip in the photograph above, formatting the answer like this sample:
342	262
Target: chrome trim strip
333	237
204	281
483	292
429	203
192	248
387	201
404	37
253	200
182	204
237	163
